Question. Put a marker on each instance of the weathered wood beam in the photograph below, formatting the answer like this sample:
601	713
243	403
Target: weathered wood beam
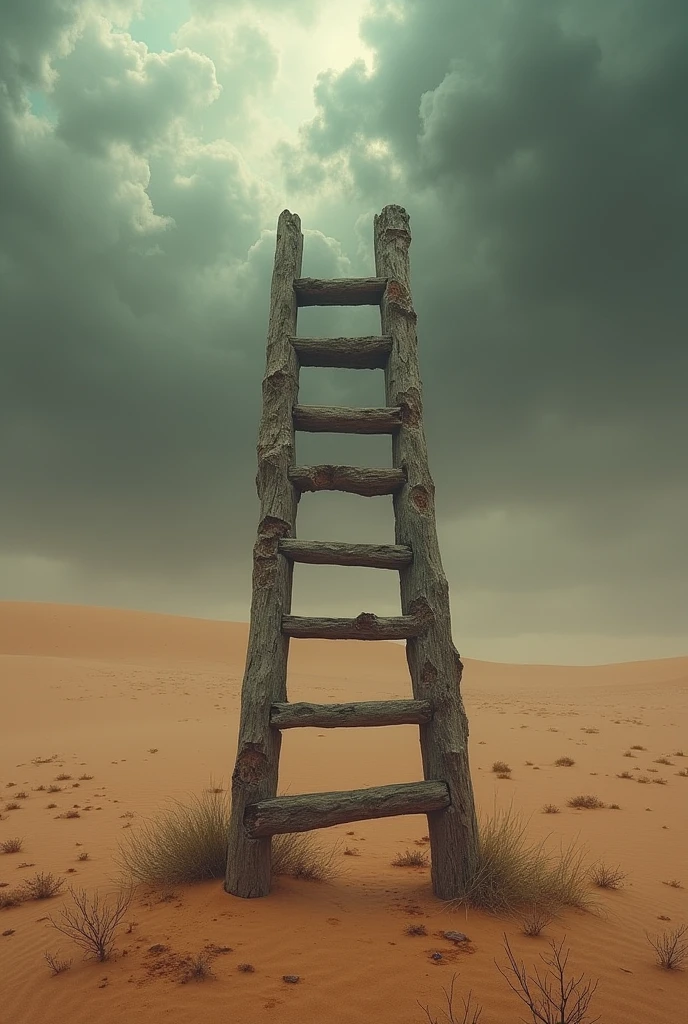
343	291
434	662
364	353
265	678
369	483
322	810
354	715
324	419
365	626
326	552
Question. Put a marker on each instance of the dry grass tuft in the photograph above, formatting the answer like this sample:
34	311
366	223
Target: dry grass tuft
416	929
637	746
535	920
12	845
625	775
590	731
606	877
11	898
500	766
671	948
550	809
246	968
514	873
664	760
411	859
683	773
564	762
12	806
588	803
673	883
188	843
197	968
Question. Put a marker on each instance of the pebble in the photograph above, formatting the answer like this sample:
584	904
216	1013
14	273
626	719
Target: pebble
456	937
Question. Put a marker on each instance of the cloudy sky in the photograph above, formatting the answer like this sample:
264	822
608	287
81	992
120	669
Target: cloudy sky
540	147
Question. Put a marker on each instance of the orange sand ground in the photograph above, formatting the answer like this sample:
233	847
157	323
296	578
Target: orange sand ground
101	688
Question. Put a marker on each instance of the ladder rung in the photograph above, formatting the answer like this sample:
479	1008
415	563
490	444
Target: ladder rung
352	479
365	626
369	353
342	291
355	715
327	419
325	552
284	814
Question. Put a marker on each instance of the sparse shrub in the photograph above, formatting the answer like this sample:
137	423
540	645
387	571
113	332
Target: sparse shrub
643	779
63	777
550	809
679	753
246	968
416	929
606	877
83	856
535	919
22	795
55	965
13	845
637	746
188	843
42	886
625	775
671	948
469	1013
351	851
54	789
71	813
12	806
673	883
50	807
591	732
614	807
564	762
628	753
500	766
504	775
514	873
197	968
39	789
589	803
552	998
11	898
92	922
85	778
683	773
411	859
659	781
664	760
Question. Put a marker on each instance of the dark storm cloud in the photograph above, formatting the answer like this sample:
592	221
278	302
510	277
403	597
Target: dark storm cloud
540	149
546	145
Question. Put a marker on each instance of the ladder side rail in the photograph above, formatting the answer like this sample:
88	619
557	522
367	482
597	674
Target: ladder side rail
256	769
434	663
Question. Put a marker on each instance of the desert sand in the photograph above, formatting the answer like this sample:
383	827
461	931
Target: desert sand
148	706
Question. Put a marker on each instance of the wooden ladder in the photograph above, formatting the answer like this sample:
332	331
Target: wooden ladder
446	794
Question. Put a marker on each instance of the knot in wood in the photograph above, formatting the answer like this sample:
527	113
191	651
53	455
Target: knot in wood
411	407
251	766
399	298
365	620
421	610
421	499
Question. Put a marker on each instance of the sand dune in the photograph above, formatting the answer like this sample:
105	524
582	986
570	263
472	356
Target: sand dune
147	705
